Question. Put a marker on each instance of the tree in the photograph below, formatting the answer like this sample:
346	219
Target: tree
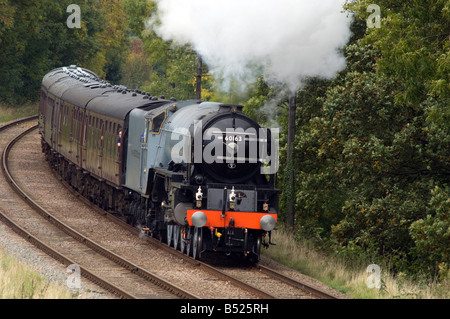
174	68
34	38
136	73
414	43
138	12
372	157
111	41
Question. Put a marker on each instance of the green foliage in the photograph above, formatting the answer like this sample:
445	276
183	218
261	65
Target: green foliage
367	165
113	41
137	11
415	50
372	156
136	70
431	234
261	95
34	38
173	68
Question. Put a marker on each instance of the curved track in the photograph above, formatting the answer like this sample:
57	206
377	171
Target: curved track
256	282
110	264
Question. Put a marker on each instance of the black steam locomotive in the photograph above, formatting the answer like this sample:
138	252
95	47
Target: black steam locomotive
197	175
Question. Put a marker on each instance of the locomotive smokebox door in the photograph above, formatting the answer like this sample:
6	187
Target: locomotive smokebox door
245	199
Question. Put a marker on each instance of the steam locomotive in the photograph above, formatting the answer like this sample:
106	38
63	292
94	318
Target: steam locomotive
197	175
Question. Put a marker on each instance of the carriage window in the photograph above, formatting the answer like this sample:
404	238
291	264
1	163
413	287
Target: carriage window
157	122
119	139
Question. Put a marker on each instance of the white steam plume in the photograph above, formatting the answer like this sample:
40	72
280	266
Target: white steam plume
285	40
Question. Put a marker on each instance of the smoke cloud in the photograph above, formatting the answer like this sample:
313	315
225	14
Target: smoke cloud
286	41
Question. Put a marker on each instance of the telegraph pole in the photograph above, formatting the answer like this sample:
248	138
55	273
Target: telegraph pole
290	161
198	87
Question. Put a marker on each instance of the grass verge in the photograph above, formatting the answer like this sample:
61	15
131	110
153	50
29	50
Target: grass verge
18	281
353	281
9	113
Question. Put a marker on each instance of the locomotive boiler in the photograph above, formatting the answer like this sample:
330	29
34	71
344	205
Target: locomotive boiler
197	175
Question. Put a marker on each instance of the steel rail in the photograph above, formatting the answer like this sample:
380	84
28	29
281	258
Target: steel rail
297	284
181	293
204	266
17	122
156	243
34	240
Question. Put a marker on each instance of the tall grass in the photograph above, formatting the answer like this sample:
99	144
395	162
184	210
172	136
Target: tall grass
9	113
18	281
351	280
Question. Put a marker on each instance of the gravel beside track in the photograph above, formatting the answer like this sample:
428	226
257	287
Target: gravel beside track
56	273
295	275
25	252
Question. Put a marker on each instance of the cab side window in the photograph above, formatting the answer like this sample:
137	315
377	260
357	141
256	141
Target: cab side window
157	122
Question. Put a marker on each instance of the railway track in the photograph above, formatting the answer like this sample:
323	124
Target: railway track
256	282
109	267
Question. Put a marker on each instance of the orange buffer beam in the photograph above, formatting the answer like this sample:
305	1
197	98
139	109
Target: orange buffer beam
241	219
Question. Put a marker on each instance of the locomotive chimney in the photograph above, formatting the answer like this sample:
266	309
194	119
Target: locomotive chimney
230	108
